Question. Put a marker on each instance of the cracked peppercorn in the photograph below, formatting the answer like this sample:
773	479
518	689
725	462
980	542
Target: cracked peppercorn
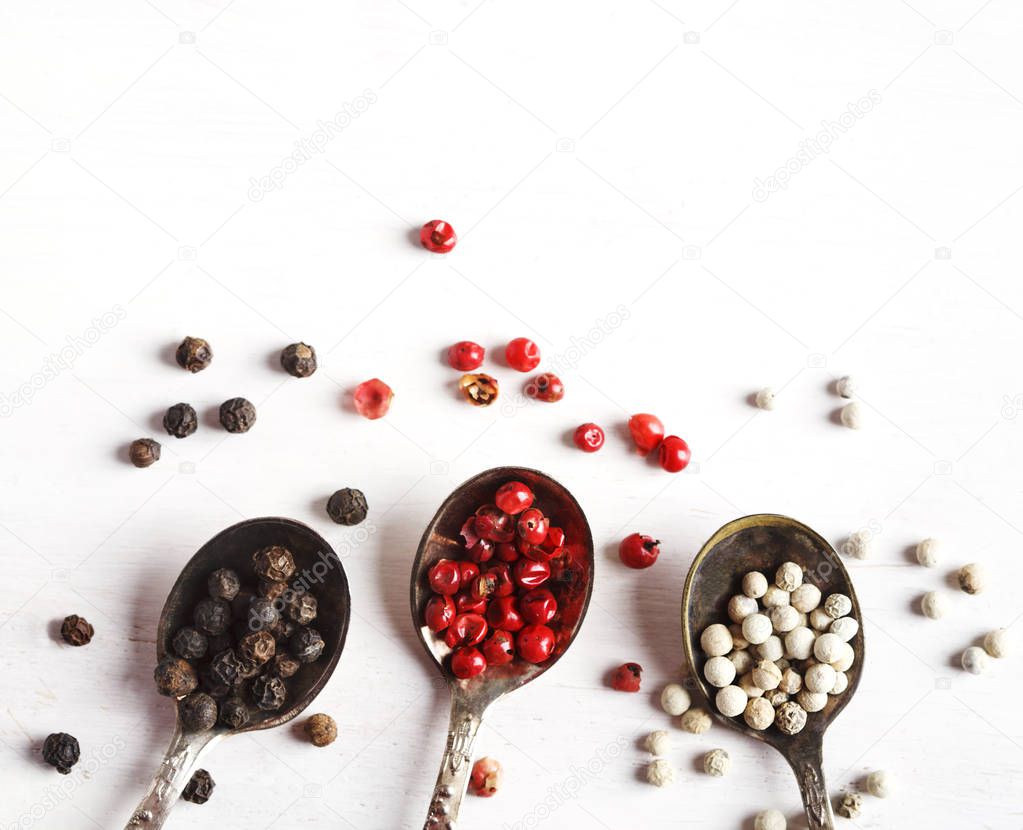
144	452
257	647
479	389
61	750
321	729
237	415
274	563
175	677
76	631
306	645
190	643
180	420
223	583
226	669
284	665
234	713
347	506
299	360
194	354
212	616
198	712
199	788
268	692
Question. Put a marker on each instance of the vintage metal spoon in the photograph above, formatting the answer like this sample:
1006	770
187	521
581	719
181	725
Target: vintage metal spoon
470	698
315	562
762	543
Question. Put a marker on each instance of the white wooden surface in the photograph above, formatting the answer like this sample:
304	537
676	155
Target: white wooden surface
599	159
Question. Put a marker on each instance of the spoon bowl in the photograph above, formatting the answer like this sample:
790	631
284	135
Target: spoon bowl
762	543
571	581
318	569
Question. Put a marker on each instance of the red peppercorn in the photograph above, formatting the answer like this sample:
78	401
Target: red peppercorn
466	603
546	387
482	551
494	524
535	643
522	354
440	611
550	548
673	454
647	431
466	630
438	236
538	606
467	662
373	399
503	613
445	577
466	356
639	551
532	526
503	584
514	497
468	571
499	648
588	437
485	779
482	587
626	677
530	574
507	552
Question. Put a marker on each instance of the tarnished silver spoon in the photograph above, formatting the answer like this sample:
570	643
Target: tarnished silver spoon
318	565
471	698
762	543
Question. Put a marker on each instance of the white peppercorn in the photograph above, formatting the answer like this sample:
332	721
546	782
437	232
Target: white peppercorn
845	658
674	699
799	643
975	660
837	605
806	597
771	649
790	718
859	544
741	606
782	663
775	596
719	671
819	677
754	584
820	620
847	387
851	805
738	641
696	721
841	683
826	647
789	576
928	552
716	763
880	784
997	643
660	773
933	605
791	681
756	628
742	660
845	628
852	415
716	640
764	399
784	618
658	742
972	578
776	697
751	689
770	820
759	714
731	701
766	675
812	701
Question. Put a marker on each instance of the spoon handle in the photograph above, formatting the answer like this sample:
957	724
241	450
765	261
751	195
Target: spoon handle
177	766
810	773
453	778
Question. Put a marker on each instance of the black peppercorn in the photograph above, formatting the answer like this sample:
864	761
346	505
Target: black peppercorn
347	506
299	360
76	631
274	563
257	647
301	608
234	713
284	665
306	645
226	669
223	584
213	687
198	712
268	692
237	415
175	677
194	354
219	642
212	616
144	452
190	643
262	614
283	630
270	589
61	750
199	788
180	420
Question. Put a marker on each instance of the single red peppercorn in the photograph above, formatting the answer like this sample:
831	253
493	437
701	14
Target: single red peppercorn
485	779
499	648
647	431
503	613
440	611
373	399
494	524
522	354
639	551
438	236
482	551
535	643
507	552
546	387
538	606
528	573
445	577
466	630
466	603
466	356
503	584
514	497
626	677
468	571
588	437
673	454
550	548
467	662
532	526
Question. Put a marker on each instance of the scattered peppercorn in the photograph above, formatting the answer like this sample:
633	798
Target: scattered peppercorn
194	354
76	631
347	506
198	712
626	678
190	643
546	387
485	778
199	788
223	583
479	389
144	452
299	360
321	730
61	750
274	563
851	805
306	645
212	616
234	713
180	420
237	415
268	692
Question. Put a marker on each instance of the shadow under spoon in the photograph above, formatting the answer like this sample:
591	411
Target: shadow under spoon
572	586
762	543
315	562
